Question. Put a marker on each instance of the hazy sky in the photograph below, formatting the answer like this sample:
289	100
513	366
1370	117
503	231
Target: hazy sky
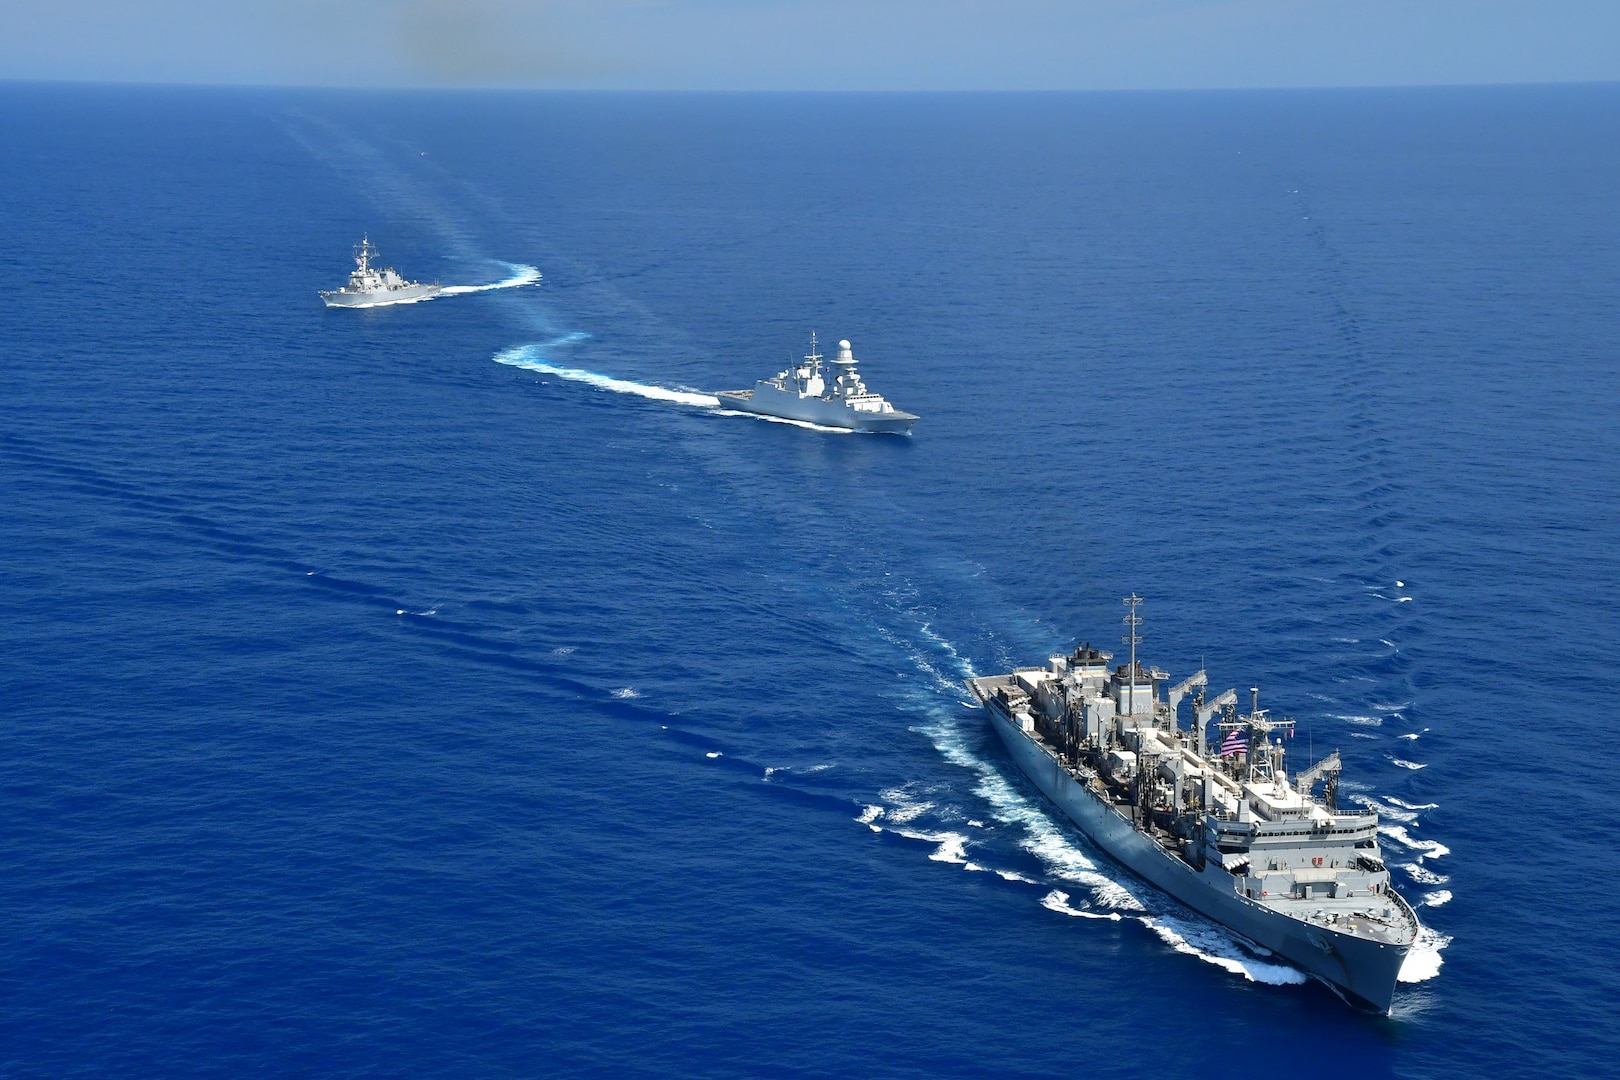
813	44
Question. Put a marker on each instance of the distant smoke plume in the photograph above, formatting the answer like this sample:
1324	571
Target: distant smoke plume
485	42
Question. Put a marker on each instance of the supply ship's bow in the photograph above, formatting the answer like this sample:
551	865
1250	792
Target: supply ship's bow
1219	825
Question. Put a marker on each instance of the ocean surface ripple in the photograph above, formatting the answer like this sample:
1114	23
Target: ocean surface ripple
455	688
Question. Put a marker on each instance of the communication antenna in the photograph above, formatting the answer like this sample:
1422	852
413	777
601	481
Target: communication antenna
1131	623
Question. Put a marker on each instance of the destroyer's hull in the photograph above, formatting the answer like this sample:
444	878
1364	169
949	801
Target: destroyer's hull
380	297
1362	971
816	410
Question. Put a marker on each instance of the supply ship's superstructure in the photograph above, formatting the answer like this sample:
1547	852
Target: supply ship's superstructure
371	287
806	394
1218	824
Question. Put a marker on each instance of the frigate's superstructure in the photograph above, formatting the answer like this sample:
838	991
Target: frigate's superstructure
371	287
806	393
1219	825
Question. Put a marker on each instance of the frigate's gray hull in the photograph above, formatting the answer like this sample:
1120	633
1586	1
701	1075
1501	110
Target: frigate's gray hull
1362	971
380	297
816	410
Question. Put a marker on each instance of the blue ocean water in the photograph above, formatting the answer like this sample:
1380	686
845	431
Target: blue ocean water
449	689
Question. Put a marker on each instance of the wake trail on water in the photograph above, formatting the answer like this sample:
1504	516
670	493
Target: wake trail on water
532	358
521	274
1376	475
807	425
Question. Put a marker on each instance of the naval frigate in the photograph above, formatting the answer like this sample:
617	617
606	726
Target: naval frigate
806	393
371	287
1218	824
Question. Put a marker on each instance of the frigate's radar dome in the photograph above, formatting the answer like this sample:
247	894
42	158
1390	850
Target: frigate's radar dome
843	344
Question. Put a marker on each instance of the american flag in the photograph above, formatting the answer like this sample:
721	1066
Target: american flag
1237	742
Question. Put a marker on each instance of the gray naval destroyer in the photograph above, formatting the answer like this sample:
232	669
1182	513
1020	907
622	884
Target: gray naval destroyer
371	287
1221	827
835	398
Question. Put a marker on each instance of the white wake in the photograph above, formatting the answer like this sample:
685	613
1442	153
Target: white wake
532	358
1427	849
1058	900
529	358
521	275
1214	946
807	425
1423	962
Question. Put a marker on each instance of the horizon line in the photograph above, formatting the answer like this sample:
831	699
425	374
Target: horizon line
804	91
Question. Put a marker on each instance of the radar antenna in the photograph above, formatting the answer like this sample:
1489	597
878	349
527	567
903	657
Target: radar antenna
1132	621
1261	726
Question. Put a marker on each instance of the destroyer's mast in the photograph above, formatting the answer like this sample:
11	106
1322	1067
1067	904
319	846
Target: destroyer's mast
363	253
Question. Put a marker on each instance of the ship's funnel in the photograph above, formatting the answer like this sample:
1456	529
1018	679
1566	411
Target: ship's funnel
845	355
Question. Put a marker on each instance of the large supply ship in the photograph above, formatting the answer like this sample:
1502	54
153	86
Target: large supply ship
371	287
812	395
1218	823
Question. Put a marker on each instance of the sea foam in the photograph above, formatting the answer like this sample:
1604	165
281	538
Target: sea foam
1430	849
529	358
1423	962
1214	946
1058	900
520	276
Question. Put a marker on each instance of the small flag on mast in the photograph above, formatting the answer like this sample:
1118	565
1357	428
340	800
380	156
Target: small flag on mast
1237	742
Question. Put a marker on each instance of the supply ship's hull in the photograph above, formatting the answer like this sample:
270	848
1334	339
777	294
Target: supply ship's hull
1363	971
816	410
380	297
